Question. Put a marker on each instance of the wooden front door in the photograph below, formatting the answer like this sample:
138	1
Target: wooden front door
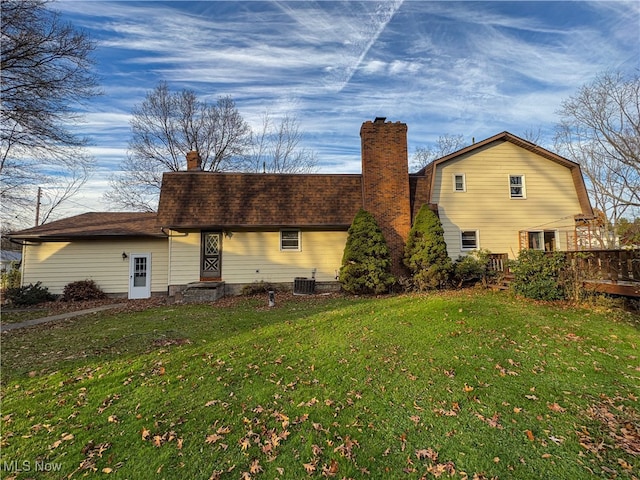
211	257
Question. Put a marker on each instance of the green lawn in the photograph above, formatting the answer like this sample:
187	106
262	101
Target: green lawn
471	384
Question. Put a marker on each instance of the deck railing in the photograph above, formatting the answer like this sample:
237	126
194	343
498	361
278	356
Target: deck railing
611	265
499	262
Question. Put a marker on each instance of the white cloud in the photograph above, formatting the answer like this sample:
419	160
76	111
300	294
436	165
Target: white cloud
471	68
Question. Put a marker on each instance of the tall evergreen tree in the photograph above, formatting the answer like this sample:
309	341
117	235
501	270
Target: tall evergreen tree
366	262
426	251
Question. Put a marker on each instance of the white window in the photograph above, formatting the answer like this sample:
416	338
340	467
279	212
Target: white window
469	239
516	186
290	240
459	184
545	240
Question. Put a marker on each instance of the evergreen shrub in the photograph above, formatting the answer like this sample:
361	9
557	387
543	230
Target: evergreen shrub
366	262
29	295
426	252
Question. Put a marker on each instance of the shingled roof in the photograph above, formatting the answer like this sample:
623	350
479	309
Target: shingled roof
95	224
196	199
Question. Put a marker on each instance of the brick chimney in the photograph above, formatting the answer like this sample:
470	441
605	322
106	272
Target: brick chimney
194	163
385	180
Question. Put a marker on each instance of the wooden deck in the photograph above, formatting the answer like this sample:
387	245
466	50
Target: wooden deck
616	272
627	289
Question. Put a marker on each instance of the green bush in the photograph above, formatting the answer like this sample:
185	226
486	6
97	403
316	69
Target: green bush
366	262
472	267
426	252
539	275
82	290
29	295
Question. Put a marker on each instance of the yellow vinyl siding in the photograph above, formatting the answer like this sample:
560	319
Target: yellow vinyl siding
185	257
56	264
550	204
256	256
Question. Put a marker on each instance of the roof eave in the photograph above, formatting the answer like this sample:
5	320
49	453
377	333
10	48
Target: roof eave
324	226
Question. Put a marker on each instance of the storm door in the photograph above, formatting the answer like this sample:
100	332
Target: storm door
211	257
139	275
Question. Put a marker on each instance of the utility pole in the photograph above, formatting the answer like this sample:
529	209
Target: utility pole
38	206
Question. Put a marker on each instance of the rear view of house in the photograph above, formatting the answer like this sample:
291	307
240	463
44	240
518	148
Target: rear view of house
233	229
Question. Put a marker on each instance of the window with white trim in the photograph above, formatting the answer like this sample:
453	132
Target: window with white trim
469	239
517	187
459	183
290	240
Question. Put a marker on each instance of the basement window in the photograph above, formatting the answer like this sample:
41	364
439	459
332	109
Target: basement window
469	239
290	240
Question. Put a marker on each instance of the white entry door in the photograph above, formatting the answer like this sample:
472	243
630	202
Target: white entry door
139	275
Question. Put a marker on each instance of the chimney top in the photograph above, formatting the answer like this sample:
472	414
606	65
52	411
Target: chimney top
380	120
194	163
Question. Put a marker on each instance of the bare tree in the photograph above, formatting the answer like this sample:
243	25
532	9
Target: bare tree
46	72
277	148
165	127
445	145
600	129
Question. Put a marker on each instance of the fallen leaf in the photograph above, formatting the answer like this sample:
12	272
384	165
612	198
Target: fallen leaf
530	435
145	433
245	443
255	466
555	407
331	470
309	468
428	453
213	438
107	470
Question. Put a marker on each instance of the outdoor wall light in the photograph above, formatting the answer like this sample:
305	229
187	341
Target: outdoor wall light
124	256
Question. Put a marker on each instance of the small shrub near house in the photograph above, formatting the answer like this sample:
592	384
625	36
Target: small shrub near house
31	294
366	262
539	275
426	252
472	268
82	290
256	288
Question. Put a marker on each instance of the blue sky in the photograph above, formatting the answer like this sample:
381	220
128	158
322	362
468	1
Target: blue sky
468	68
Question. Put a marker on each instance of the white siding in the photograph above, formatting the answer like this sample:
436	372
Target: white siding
57	263
550	204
